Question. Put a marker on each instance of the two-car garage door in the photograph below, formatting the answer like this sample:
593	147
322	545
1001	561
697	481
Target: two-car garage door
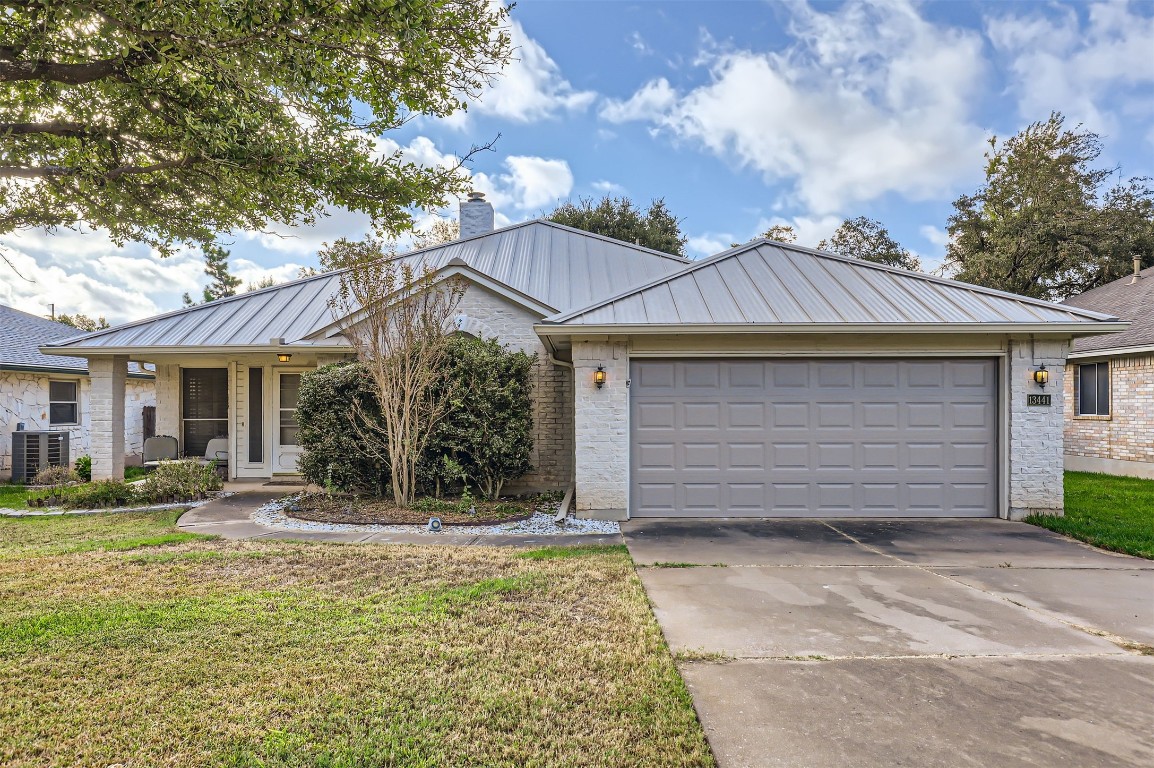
813	438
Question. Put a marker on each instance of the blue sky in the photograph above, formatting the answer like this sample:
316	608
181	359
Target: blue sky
739	114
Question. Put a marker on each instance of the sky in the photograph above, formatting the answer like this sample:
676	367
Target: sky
739	114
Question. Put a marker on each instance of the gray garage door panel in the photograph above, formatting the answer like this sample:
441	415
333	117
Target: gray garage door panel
813	438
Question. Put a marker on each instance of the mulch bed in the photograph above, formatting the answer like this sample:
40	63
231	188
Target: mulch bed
321	508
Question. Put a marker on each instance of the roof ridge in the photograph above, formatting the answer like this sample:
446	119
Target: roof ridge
758	242
597	236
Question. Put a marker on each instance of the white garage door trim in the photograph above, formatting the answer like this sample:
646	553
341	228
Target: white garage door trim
831	462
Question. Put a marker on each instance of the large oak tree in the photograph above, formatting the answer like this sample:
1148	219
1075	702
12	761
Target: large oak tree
170	121
1046	223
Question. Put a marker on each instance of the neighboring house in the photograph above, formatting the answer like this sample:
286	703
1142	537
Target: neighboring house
52	393
769	380
1110	383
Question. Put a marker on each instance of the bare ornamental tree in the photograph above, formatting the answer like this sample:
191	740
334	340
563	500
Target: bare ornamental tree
398	316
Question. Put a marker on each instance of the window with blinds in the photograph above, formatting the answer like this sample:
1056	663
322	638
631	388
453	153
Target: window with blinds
204	407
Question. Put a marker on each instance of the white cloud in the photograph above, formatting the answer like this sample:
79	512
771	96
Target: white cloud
638	44
937	236
529	89
701	246
608	188
870	99
530	183
653	99
1056	63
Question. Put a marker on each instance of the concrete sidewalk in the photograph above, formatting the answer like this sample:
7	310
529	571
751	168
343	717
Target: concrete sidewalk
231	518
920	643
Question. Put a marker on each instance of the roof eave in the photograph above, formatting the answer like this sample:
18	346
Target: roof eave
194	350
1071	329
1113	352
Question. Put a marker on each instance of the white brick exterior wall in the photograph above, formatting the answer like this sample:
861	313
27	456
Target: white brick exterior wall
486	315
602	427
1036	439
24	398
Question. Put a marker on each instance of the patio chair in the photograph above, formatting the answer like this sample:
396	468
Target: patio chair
158	449
217	450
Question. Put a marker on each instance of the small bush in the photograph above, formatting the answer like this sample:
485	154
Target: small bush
102	493
432	505
175	481
508	509
55	476
84	468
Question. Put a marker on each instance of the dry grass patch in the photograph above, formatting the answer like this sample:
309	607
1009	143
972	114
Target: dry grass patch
199	653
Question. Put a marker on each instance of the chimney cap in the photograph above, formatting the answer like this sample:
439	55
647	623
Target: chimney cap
475	196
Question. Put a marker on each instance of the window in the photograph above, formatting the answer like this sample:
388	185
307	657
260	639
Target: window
256	415
290	387
62	405
204	407
1094	389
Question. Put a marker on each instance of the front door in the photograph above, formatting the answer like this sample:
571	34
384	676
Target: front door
286	448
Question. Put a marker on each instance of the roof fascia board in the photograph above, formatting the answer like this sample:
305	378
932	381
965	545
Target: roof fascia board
1112	352
1063	329
81	372
753	244
196	350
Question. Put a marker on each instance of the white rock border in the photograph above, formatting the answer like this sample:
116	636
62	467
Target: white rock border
60	511
272	515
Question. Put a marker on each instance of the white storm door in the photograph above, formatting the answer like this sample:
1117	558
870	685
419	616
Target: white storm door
286	448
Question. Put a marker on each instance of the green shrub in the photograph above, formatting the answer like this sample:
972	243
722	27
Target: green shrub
488	433
84	468
102	493
55	476
432	505
175	481
333	456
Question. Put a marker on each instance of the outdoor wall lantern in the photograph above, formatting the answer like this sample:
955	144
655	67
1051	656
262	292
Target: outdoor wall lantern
284	357
1041	376
599	376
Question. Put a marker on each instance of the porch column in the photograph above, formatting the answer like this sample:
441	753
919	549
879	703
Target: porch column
108	375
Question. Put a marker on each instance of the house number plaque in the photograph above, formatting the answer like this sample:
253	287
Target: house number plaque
1037	399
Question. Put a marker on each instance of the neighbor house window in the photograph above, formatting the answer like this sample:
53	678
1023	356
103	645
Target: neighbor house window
63	407
204	407
1094	389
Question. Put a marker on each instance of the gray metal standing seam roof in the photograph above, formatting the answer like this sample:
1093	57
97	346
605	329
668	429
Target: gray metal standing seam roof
775	284
557	266
1129	300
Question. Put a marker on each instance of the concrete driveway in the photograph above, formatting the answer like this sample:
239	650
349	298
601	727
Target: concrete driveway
915	643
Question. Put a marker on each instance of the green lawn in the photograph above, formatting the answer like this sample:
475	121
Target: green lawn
125	641
1115	513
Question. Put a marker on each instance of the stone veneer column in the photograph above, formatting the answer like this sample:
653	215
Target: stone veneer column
108	376
1036	433
601	429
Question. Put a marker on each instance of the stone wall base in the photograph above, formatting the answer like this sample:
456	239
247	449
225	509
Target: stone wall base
1021	513
1143	469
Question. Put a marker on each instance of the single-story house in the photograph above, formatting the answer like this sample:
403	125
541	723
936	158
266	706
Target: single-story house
769	380
1110	382
52	393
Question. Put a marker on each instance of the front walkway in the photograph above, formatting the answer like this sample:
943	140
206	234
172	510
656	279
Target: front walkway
927	643
231	517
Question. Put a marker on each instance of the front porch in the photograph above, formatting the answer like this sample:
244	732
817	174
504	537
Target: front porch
249	400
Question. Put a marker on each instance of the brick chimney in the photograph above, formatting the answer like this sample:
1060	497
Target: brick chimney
1137	270
476	215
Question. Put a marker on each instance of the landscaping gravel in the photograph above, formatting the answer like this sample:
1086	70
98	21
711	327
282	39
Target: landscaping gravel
540	524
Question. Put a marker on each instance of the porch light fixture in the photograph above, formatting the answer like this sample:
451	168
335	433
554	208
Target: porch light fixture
1041	376
283	357
599	376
